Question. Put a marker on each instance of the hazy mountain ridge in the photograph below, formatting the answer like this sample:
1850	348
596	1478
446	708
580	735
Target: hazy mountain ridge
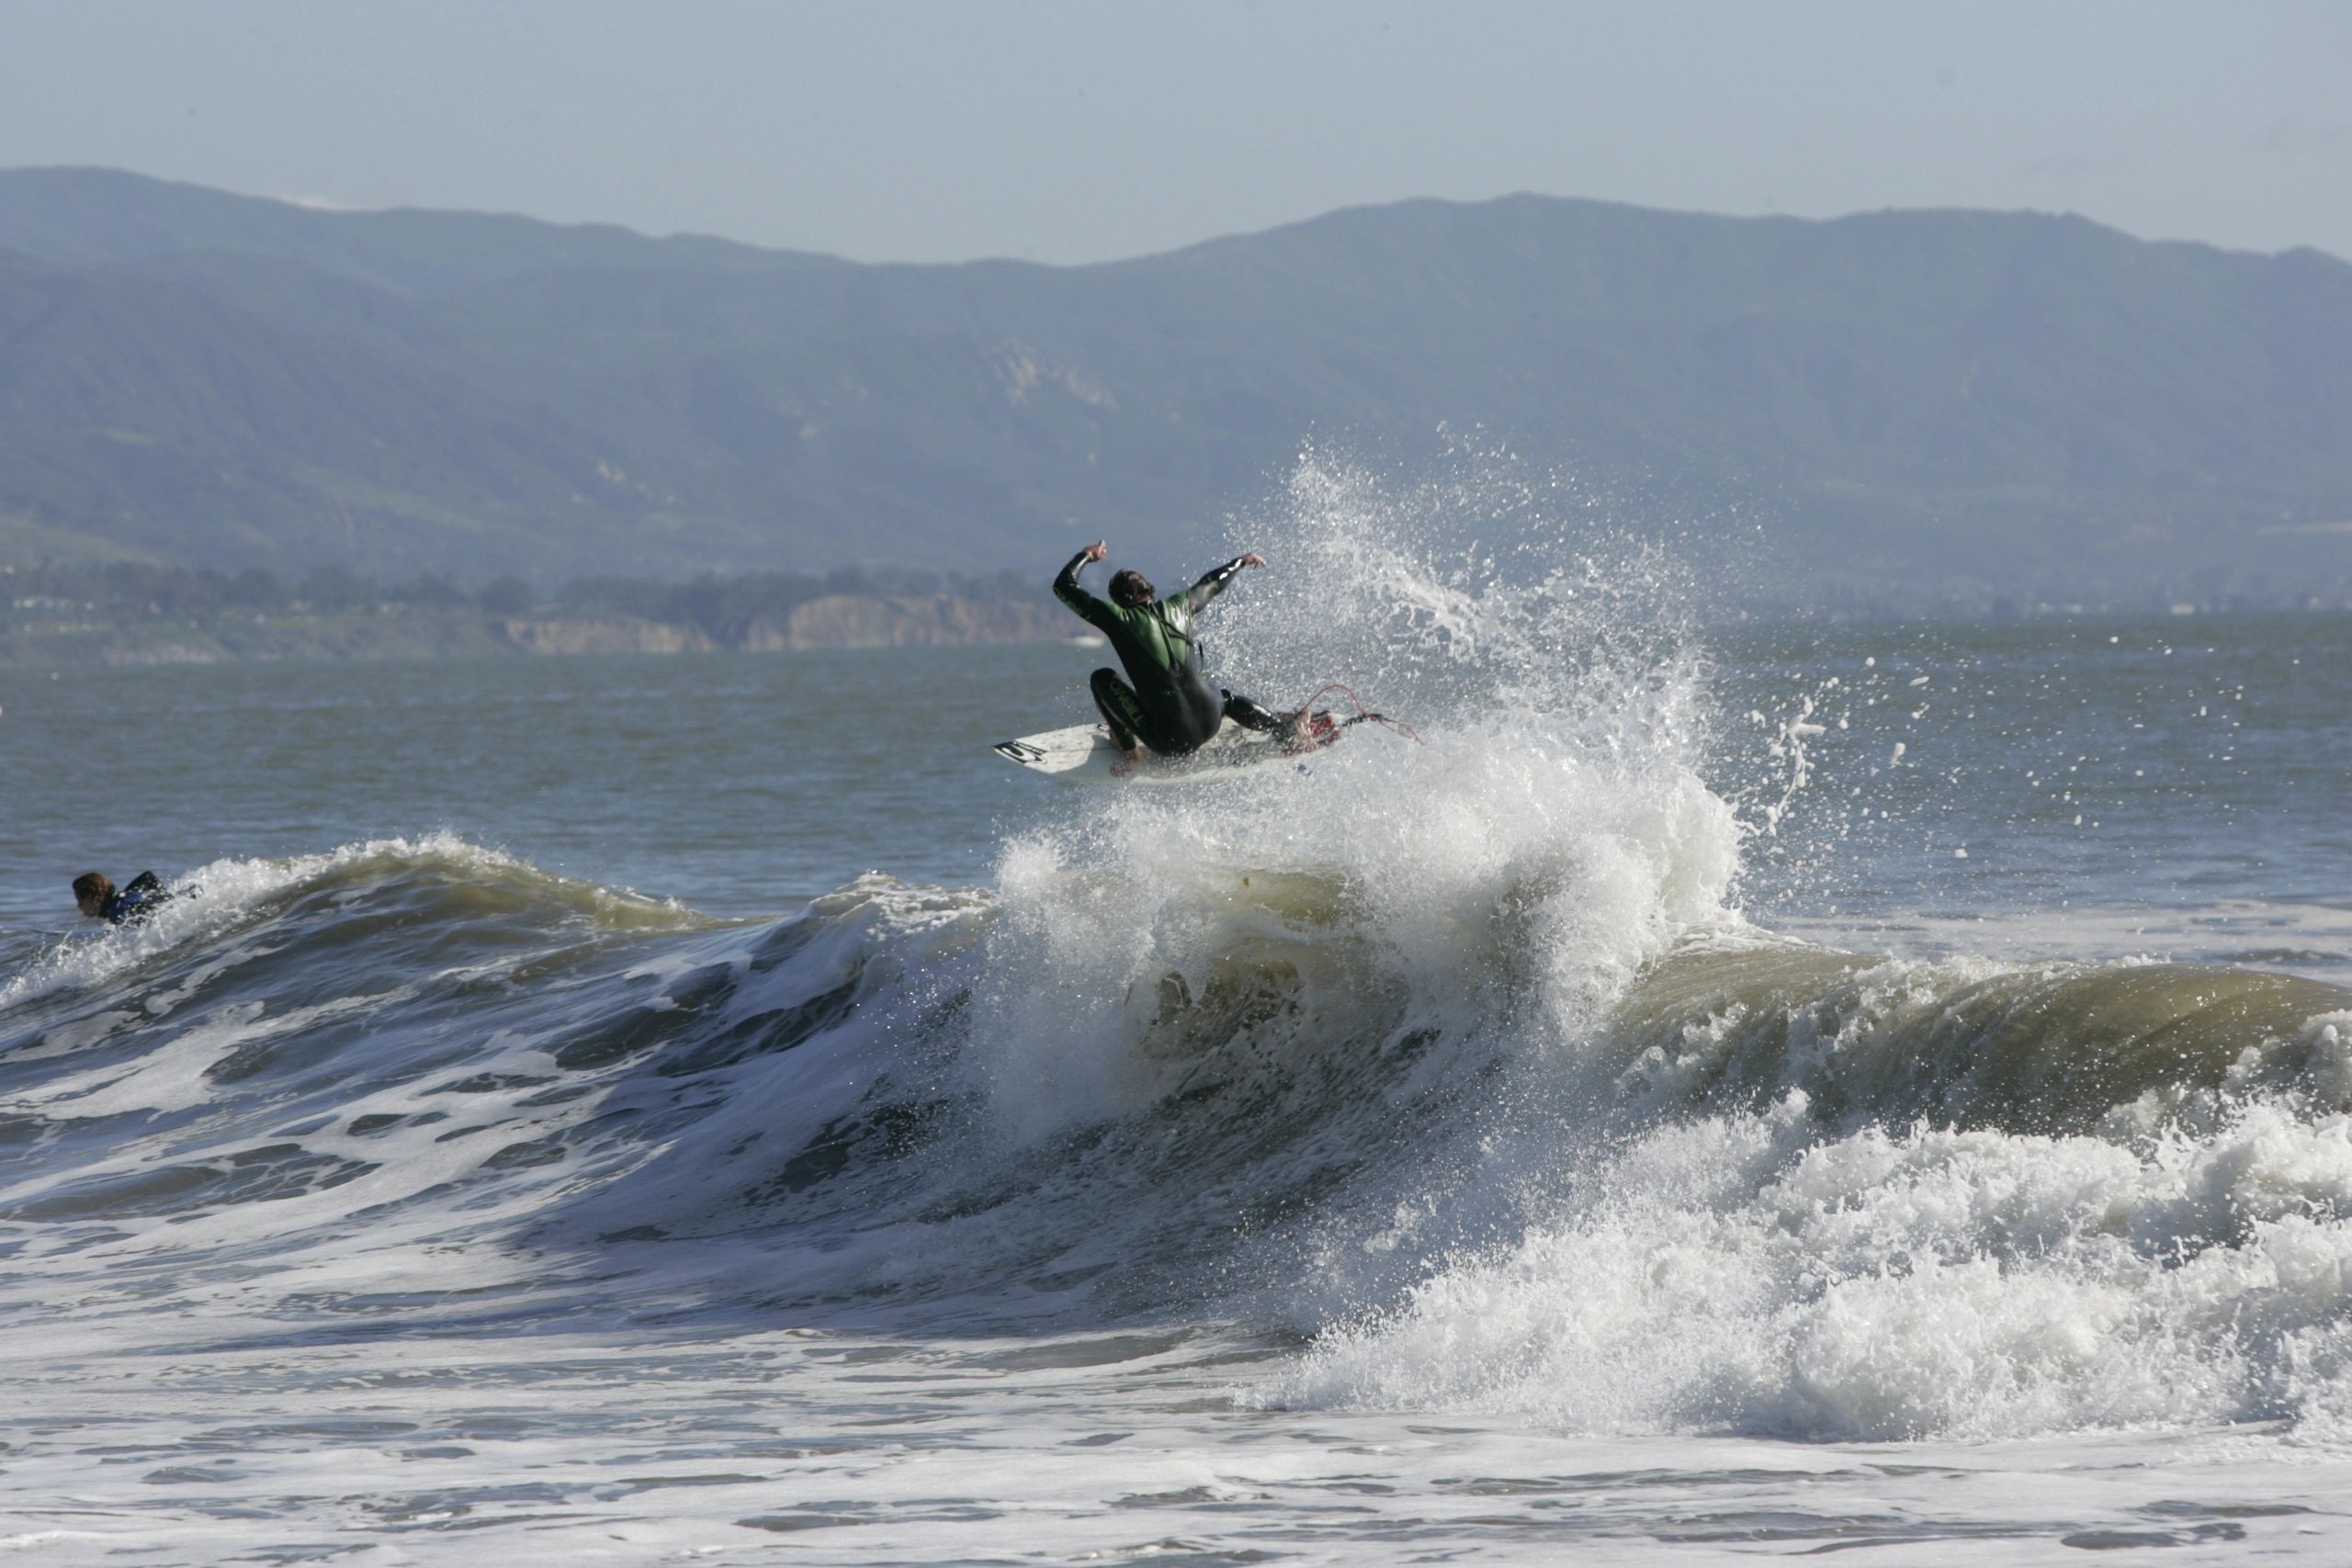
194	377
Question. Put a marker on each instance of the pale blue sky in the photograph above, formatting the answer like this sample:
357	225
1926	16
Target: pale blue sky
1066	132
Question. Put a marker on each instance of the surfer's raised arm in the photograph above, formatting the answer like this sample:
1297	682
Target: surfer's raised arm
1070	592
1213	582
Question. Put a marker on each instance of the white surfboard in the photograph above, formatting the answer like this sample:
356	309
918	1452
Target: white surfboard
1084	754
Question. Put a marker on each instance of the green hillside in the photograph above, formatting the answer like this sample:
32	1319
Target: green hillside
196	377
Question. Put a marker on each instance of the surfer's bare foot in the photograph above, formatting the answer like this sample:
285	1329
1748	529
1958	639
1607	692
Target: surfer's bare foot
1126	764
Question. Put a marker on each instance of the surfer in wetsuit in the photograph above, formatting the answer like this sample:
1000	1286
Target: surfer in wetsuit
95	893
1169	707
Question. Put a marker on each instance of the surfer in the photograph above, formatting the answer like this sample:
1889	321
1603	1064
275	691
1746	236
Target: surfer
99	899
1169	707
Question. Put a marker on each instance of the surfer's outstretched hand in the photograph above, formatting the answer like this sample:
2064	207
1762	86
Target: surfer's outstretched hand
1253	559
1097	550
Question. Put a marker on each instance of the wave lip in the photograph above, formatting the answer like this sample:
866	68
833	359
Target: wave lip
443	877
2044	1047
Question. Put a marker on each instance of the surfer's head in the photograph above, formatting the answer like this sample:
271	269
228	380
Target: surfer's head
1130	590
91	891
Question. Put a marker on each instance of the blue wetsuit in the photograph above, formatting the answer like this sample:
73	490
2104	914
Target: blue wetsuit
129	905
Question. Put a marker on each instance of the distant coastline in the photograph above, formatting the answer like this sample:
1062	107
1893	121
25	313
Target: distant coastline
401	631
126	613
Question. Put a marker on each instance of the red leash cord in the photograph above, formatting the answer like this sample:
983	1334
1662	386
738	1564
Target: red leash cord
1362	713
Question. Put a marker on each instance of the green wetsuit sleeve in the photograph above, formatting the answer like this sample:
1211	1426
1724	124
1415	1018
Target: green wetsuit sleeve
1196	598
1067	588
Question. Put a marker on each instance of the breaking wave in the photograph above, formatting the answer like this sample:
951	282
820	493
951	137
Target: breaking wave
1456	1062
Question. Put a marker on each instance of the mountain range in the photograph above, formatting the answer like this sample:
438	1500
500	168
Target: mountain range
2019	400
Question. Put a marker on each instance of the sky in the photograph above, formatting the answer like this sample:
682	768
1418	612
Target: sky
1070	132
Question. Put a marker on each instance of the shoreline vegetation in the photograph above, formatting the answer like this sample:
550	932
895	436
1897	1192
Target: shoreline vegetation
125	614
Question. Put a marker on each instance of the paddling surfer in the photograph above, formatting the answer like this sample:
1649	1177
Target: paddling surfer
1164	704
99	899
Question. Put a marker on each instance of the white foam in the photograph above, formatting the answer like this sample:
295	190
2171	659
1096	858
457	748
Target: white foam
1729	1275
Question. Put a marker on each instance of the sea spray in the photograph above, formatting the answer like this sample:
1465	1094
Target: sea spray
1301	1005
1546	836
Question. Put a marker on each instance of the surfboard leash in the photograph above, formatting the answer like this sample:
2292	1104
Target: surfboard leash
1364	714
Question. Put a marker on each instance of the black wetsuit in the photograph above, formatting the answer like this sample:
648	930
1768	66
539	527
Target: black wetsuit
1170	707
129	905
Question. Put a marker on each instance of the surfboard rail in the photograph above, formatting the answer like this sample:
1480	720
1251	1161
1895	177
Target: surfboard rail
1082	755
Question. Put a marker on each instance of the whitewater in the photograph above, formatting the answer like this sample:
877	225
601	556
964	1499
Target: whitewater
1730	1091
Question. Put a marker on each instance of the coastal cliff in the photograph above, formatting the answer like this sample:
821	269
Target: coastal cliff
860	620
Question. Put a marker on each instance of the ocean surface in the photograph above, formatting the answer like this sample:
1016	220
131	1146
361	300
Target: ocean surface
1727	1090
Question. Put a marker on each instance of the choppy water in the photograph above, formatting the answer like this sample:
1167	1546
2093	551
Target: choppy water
642	1110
